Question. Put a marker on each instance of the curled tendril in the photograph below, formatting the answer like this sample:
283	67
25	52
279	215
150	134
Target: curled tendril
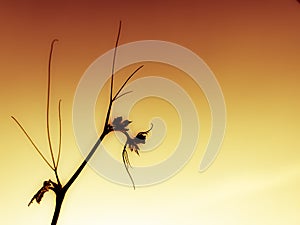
126	163
119	124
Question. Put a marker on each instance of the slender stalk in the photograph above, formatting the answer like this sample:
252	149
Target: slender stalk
60	133
48	102
126	163
128	92
112	77
32	142
121	88
114	61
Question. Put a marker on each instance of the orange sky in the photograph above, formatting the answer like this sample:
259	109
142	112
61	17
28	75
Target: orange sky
252	48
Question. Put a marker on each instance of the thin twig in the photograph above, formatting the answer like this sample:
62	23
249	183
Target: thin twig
57	178
60	133
126	163
48	102
128	92
116	96
112	76
32	142
114	61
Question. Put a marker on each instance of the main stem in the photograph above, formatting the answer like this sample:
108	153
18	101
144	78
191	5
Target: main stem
61	191
59	200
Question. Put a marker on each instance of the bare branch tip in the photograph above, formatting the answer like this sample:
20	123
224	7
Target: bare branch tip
54	40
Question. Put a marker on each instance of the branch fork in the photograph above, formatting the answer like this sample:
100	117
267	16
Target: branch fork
118	124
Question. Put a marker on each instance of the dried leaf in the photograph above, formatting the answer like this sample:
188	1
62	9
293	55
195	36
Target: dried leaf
117	121
39	195
140	138
118	125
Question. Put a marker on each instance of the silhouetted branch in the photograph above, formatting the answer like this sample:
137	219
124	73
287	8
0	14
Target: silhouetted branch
121	88
48	101
114	61
118	124
126	163
83	164
128	92
112	76
60	133
32	142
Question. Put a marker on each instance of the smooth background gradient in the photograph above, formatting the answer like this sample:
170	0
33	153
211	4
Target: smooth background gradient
252	47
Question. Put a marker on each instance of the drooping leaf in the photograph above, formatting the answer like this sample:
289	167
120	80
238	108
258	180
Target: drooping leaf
140	138
40	194
132	144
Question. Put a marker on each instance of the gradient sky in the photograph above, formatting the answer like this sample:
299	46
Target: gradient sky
251	46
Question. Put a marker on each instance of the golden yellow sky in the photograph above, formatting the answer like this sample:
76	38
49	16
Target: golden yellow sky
252	48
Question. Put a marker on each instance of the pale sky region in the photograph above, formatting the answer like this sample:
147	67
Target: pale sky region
251	46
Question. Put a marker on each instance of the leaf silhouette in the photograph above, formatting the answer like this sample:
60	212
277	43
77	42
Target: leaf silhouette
119	125
47	185
132	144
117	121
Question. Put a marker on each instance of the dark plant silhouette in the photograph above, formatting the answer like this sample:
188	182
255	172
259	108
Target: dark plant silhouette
131	143
118	124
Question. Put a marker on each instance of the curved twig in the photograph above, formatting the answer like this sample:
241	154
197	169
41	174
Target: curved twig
48	101
128	92
127	163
